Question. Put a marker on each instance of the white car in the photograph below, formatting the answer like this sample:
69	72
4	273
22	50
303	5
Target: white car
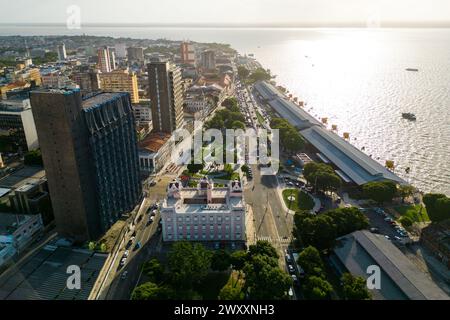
126	253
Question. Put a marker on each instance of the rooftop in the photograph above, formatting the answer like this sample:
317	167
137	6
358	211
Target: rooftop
355	164
43	276
400	278
358	166
97	99
154	141
26	175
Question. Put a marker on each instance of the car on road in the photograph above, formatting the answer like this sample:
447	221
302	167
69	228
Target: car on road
124	275
123	261
129	244
137	246
291	268
294	278
387	237
288	258
126	253
374	230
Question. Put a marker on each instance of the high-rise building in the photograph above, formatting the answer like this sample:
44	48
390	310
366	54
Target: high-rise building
16	120
165	92
120	81
187	53
90	154
121	50
135	54
112	58
104	60
62	52
208	60
88	81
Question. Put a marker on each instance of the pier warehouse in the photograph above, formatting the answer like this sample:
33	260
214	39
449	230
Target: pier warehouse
353	165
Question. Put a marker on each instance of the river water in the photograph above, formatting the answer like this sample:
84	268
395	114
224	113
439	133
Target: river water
354	77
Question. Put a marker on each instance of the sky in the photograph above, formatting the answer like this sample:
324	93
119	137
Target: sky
276	12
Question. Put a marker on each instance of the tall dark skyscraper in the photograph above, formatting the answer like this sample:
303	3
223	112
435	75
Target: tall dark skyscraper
89	148
166	96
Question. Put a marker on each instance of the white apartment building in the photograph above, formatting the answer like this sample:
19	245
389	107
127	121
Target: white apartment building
204	213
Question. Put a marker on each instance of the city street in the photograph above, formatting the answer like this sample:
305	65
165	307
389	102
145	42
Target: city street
120	288
272	222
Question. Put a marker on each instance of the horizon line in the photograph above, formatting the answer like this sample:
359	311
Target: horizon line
416	25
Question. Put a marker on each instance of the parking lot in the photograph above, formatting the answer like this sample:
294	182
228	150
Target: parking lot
382	223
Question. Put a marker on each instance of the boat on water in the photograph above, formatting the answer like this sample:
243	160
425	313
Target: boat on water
412	69
409	116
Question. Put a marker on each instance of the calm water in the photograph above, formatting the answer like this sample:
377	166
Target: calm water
356	78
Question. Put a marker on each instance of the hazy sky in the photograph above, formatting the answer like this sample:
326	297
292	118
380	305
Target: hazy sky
230	11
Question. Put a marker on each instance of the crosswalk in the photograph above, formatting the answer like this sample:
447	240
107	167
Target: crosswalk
279	240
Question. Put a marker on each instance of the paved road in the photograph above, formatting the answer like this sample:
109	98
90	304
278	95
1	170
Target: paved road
272	222
120	289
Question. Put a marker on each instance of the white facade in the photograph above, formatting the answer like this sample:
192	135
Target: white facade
204	213
24	228
62	55
104	61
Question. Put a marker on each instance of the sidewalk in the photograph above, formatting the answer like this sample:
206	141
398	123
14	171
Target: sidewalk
250	227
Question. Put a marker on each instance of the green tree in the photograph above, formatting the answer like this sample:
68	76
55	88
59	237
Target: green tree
321	176
263	248
264	279
154	270
405	191
220	260
354	288
290	139
311	262
33	158
188	264
348	220
234	288
260	75
151	291
317	231
243	72
317	288
380	191
406	221
238	259
238	125
231	104
438	206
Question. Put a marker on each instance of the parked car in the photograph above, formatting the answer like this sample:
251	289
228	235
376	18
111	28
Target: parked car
124	275
126	253
374	230
233	246
137	246
291	268
288	258
294	278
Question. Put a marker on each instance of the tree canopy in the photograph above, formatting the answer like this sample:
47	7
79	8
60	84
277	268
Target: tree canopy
311	262
317	288
290	139
438	206
321	176
322	230
354	288
188	263
151	291
380	191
